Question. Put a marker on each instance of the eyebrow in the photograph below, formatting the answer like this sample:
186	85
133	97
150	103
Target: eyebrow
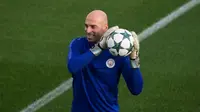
90	25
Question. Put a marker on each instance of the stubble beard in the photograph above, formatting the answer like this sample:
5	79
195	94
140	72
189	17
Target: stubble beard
93	37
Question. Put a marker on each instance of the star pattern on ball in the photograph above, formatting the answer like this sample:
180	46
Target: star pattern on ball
119	42
125	34
113	33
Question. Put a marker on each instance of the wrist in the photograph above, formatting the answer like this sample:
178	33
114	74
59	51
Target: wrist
96	49
135	63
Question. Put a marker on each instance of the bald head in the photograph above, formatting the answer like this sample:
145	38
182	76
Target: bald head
96	23
98	16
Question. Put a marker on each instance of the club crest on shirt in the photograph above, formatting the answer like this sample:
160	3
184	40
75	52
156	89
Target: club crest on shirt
110	63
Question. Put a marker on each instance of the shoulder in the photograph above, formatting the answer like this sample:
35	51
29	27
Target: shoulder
78	41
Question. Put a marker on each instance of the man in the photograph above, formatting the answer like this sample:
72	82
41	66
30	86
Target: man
96	72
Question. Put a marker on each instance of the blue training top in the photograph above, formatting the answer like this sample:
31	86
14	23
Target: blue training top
96	78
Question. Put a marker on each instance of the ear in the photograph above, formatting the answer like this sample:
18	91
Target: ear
106	26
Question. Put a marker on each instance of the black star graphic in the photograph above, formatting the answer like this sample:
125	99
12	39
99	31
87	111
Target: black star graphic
125	34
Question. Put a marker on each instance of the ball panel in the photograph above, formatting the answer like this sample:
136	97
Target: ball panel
110	43
125	43
120	31
113	51
118	38
128	32
123	52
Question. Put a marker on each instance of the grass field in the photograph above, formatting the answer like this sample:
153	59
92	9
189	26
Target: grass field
34	36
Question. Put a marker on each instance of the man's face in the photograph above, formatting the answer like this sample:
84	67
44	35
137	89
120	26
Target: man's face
94	29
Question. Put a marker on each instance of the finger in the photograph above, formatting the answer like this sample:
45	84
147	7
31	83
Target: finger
136	41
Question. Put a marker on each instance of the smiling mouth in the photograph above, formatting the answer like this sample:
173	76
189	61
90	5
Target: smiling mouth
90	36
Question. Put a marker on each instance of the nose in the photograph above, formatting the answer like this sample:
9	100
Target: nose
88	29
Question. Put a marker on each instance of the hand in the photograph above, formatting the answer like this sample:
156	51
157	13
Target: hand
101	45
103	40
134	56
136	46
135	60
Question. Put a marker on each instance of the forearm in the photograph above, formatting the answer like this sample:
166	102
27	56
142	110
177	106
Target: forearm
132	75
134	80
76	63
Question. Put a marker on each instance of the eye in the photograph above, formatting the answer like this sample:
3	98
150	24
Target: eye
90	26
86	25
93	26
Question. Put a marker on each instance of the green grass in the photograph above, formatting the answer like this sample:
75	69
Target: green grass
171	70
169	63
34	36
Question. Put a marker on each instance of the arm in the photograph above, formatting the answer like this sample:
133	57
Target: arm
133	77
76	60
131	69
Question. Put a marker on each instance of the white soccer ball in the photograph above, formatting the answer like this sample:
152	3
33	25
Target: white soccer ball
120	42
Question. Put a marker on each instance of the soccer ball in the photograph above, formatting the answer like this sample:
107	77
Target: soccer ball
120	42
